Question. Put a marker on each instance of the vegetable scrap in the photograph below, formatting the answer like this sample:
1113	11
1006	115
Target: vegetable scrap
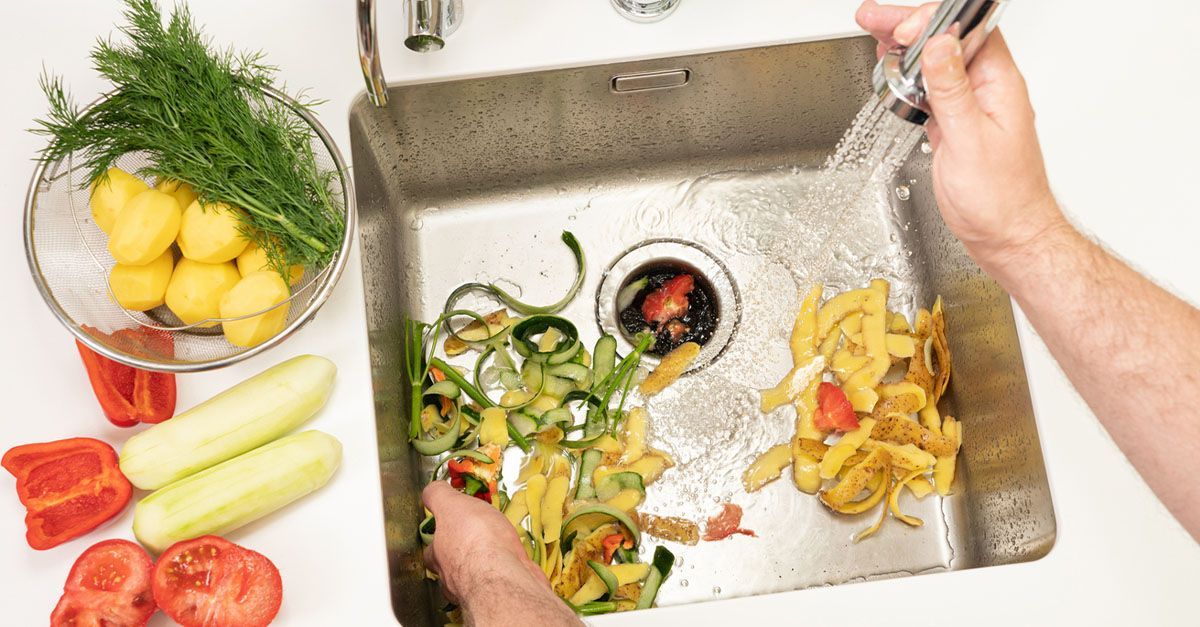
573	414
875	427
68	487
675	303
726	523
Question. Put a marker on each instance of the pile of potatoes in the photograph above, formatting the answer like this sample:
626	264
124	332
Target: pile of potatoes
217	272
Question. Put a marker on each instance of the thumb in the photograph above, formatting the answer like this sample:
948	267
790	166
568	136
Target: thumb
950	94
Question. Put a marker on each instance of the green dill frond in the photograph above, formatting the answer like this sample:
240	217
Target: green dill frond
202	115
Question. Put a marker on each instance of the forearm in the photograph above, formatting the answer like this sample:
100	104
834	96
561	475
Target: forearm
1131	349
512	596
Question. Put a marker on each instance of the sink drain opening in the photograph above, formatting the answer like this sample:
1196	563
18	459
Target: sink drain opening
675	289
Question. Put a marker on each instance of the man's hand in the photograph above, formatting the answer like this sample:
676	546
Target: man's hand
988	172
1139	378
483	566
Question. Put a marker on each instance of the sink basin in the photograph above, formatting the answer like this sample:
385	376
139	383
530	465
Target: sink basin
710	154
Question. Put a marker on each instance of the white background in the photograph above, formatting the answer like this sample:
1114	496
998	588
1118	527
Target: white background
1114	87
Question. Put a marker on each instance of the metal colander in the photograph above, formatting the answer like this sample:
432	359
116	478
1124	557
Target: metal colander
69	259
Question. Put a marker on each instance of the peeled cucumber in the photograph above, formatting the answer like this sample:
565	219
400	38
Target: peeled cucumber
242	418
237	491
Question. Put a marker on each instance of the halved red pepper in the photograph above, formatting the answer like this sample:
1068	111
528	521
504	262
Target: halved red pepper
834	411
68	487
131	395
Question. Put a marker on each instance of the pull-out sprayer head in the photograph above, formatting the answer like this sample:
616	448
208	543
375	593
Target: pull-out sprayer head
898	80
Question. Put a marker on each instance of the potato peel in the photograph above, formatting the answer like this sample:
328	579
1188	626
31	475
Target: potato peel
894	500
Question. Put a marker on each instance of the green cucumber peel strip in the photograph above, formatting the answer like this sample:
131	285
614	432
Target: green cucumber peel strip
443	442
479	397
606	576
570	370
604	359
626	296
425	530
556	415
564	349
660	568
596	608
466	453
526	309
610	485
627	556
611	512
445	388
591	458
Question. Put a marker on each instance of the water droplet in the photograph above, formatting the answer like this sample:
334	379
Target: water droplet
926	148
416	223
903	193
716	589
683	583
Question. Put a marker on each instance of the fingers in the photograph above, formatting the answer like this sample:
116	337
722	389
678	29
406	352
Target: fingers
881	20
438	495
1001	88
907	31
951	95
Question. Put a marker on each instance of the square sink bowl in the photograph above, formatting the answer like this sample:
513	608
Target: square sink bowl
708	159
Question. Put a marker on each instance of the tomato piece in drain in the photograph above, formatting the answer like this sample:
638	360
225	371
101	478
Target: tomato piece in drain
212	581
675	303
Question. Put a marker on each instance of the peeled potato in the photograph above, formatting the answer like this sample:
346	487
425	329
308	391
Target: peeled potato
211	233
256	292
110	196
180	190
141	288
145	228
254	259
196	289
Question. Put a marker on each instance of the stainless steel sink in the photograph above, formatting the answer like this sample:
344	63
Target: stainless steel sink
475	179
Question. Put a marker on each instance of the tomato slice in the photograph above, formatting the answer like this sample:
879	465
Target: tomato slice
109	586
668	302
726	523
212	582
834	411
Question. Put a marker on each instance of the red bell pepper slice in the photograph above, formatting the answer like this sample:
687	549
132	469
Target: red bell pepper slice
131	395
611	543
834	411
68	487
460	470
668	302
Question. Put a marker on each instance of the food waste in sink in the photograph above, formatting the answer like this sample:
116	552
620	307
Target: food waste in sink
882	368
516	390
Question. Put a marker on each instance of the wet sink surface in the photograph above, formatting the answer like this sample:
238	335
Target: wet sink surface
475	180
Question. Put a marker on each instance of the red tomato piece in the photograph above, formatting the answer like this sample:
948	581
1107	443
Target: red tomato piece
725	524
130	395
109	586
212	582
834	411
669	301
68	487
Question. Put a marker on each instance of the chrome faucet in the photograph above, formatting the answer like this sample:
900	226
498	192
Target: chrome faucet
898	80
429	22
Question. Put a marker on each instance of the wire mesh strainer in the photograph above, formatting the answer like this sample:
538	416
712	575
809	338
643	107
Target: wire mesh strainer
69	259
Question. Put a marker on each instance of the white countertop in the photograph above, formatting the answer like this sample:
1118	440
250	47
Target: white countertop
1120	144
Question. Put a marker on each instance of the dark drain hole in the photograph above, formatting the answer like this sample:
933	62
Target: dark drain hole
672	299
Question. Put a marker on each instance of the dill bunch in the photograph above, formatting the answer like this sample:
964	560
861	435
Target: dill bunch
202	116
